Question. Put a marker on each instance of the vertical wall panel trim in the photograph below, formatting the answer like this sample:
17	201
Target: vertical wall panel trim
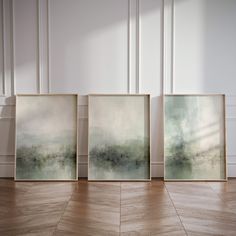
162	49
3	52
167	46
132	45
6	47
43	45
48	46
128	49
172	47
38	53
13	80
137	46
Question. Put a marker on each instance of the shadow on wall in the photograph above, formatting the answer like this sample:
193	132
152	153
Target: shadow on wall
219	37
93	43
88	38
81	27
157	134
205	52
7	128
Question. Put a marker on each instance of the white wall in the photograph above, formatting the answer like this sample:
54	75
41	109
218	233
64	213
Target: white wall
116	46
204	58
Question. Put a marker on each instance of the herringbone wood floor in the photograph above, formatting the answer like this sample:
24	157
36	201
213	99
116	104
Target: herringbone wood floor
114	208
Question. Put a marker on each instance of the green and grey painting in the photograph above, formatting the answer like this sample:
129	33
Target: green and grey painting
194	137
119	137
46	137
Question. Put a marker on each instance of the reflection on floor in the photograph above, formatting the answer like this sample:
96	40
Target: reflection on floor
117	208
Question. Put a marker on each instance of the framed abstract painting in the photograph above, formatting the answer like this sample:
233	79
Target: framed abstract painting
46	137
194	138
119	137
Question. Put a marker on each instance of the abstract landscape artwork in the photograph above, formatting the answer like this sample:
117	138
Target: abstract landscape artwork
194	137
46	137
119	143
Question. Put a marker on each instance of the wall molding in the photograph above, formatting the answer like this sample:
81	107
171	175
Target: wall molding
128	47
132	45
3	50
42	21
138	39
168	47
41	11
7	48
162	38
48	46
173	46
13	80
39	47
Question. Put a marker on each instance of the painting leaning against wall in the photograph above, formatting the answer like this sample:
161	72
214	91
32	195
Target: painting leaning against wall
194	137
46	137
119	147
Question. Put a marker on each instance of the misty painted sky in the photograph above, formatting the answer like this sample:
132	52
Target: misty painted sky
46	115
118	118
199	118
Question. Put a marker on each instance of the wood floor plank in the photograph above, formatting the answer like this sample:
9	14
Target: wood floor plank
151	226
36	209
117	208
46	231
168	231
85	232
88	226
112	218
203	207
76	205
146	209
26	224
208	226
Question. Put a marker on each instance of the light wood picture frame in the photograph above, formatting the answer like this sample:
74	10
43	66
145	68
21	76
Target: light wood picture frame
119	137
194	137
46	137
